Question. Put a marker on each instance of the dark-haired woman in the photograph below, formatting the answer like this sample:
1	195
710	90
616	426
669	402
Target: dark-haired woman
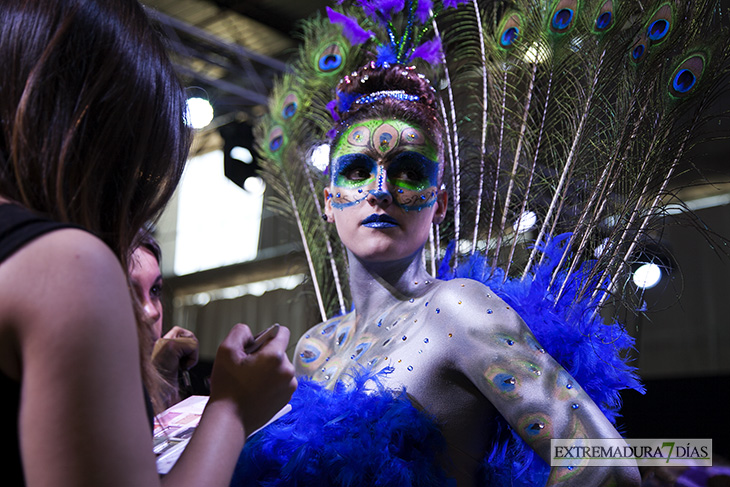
176	351
92	145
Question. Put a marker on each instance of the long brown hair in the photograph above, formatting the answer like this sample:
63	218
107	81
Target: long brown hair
92	128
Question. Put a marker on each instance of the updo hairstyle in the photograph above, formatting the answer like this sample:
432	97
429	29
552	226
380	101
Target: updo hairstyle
350	108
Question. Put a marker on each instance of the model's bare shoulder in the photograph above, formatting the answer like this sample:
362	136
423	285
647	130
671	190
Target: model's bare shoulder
471	305
483	325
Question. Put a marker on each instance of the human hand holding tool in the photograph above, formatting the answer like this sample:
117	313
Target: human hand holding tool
262	338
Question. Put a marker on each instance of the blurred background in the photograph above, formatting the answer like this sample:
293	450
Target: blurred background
227	259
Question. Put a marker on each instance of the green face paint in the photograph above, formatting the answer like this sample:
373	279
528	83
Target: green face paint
384	136
385	155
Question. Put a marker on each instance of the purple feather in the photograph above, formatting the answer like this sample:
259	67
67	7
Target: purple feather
423	10
350	28
453	3
429	51
386	8
331	107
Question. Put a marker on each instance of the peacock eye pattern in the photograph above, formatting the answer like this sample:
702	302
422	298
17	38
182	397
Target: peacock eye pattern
564	15
562	19
658	29
331	59
509	31
603	22
276	139
687	75
510	36
291	104
660	24
637	53
604	17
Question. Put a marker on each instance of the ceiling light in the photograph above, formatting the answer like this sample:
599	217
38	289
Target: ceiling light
199	113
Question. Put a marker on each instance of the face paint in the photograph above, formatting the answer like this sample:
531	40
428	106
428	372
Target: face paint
377	156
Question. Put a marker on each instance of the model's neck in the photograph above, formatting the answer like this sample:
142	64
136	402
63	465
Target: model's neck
375	286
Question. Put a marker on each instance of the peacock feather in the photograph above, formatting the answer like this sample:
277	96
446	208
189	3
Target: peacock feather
562	116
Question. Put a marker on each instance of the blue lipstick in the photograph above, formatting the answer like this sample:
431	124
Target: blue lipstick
379	221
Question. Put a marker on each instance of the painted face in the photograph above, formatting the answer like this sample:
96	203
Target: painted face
147	284
384	191
374	154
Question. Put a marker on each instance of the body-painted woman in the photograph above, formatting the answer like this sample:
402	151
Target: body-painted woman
458	350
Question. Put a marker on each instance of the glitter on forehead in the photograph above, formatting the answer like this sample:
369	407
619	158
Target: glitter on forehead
384	136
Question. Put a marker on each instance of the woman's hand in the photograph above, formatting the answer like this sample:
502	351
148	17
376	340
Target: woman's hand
258	384
177	350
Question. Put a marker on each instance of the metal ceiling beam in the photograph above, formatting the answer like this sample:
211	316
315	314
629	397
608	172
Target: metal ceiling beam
246	74
236	49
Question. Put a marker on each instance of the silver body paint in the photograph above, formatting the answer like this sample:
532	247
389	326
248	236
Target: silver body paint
461	354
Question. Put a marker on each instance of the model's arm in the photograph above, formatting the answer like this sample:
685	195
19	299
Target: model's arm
538	398
82	414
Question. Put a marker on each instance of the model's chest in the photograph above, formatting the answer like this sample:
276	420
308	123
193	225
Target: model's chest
402	337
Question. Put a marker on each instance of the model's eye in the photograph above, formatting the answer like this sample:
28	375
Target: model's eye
413	169
357	173
354	169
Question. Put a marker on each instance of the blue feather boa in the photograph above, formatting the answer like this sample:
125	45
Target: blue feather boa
354	436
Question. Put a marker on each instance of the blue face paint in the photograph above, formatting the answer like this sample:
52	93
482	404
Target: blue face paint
367	163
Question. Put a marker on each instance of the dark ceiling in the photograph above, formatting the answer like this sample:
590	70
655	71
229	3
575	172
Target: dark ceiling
230	50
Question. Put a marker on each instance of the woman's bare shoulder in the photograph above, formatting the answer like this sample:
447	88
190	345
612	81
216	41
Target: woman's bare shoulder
65	302
61	275
466	293
471	305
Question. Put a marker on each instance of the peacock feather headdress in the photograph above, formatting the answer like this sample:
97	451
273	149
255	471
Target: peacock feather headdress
561	116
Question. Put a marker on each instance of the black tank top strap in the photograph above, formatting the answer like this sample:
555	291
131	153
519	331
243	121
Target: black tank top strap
19	226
